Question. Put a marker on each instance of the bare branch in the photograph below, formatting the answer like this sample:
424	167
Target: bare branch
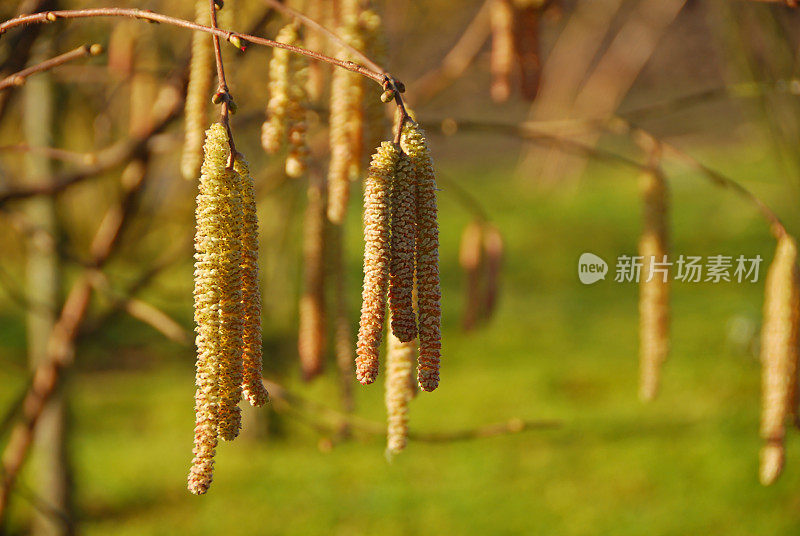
18	78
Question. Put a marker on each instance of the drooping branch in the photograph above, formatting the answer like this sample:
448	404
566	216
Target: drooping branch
18	78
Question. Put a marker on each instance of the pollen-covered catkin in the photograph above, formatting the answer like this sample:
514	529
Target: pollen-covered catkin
376	259
402	258
653	285
779	353
429	294
311	333
219	220
252	386
209	214
197	96
273	131
400	359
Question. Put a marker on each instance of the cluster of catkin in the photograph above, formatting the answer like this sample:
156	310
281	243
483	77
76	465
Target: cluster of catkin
401	253
352	118
779	356
288	102
480	255
653	287
227	303
515	39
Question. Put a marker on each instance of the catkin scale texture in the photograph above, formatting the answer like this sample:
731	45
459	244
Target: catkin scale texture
429	312
402	252
779	353
400	385
653	294
252	387
377	198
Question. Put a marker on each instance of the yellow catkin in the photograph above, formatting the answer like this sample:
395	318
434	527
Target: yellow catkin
311	339
219	222
402	258
340	145
502	58
198	95
471	259
400	359
653	294
376	260
252	386
296	160
429	294
273	131
779	352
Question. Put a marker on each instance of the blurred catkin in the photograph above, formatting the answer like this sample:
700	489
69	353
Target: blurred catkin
779	353
493	251
343	337
377	198
341	147
311	336
471	259
252	386
198	95
400	385
653	287
429	294
502	57
401	265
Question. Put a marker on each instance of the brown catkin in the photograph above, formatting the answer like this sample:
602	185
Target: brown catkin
198	94
471	259
779	353
343	337
493	251
376	259
653	294
502	58
311	333
400	359
252	386
429	294
402	259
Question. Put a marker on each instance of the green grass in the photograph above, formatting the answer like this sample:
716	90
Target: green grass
685	464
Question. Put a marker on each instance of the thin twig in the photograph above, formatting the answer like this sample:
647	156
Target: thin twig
223	94
18	78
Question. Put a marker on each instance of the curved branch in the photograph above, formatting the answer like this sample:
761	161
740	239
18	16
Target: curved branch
18	78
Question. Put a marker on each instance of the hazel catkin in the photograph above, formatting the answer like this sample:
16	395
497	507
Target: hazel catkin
429	312
400	385
653	287
376	259
197	91
779	354
402	256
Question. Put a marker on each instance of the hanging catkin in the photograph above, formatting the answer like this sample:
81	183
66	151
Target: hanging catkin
502	58
401	265
376	259
342	82
471	258
429	312
215	238
197	96
252	386
653	287
779	340
493	251
311	337
400	384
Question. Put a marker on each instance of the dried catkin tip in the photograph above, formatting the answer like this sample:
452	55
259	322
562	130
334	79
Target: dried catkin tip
779	340
197	96
218	246
429	294
502	58
311	336
400	359
252	386
402	254
376	260
653	287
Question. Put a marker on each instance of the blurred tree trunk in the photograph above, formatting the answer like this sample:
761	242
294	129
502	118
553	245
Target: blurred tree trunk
42	288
